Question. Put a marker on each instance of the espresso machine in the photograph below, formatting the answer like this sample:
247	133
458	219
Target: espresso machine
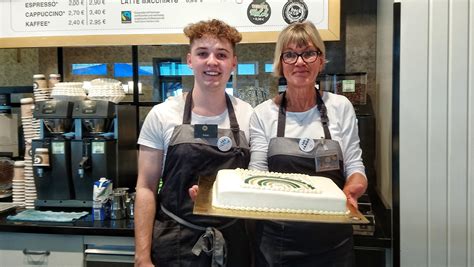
104	146
52	153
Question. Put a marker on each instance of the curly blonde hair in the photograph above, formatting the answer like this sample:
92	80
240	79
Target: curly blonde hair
212	28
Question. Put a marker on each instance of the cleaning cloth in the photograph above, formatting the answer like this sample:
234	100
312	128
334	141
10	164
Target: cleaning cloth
47	216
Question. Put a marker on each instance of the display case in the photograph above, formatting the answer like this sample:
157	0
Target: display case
351	85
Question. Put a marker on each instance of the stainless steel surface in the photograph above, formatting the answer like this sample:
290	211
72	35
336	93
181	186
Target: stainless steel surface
118	210
97	125
58	126
109	255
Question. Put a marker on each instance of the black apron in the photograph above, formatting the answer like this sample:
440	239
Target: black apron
179	237
292	244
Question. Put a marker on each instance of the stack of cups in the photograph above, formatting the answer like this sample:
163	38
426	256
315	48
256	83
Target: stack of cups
53	79
41	91
31	129
19	183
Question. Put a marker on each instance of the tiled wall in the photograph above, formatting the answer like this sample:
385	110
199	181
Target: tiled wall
17	66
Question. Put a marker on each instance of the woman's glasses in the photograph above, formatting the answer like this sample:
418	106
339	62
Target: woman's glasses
291	57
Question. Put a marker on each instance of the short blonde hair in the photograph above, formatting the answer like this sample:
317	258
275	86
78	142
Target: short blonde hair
301	34
213	28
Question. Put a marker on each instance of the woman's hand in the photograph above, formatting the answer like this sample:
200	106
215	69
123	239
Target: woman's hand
353	192
355	186
193	191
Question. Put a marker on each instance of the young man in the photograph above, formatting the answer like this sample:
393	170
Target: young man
186	137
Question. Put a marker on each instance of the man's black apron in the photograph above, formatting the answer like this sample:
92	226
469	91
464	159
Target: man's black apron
179	237
298	243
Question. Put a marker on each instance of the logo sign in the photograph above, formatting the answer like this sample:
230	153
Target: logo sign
259	12
126	17
295	11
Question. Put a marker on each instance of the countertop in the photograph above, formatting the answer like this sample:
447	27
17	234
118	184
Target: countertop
83	226
124	227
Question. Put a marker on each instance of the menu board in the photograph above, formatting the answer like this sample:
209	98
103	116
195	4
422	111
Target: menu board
146	18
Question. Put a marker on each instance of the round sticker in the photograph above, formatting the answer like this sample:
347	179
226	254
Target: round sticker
306	144
295	11
224	143
258	12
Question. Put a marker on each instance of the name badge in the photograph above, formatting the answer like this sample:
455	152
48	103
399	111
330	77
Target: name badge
327	160
205	131
224	143
306	144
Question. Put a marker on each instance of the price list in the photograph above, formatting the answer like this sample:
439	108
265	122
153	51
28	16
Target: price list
32	18
61	15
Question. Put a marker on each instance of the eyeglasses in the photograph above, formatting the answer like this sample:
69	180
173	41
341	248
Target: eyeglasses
291	57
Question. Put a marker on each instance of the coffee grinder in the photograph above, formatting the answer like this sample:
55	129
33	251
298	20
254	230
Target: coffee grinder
104	145
52	153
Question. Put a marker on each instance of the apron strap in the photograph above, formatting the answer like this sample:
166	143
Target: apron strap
188	107
234	125
282	116
324	115
212	242
321	108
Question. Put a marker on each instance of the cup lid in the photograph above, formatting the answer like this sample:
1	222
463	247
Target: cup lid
55	75
19	163
27	100
38	76
41	149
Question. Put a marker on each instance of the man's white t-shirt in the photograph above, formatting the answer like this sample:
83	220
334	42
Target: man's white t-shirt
160	122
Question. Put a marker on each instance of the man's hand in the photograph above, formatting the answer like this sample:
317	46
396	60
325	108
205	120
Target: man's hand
193	191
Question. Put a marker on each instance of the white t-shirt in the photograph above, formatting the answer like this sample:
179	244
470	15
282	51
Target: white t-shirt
342	126
160	122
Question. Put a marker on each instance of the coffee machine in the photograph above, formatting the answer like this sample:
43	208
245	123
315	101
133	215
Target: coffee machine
52	153
104	145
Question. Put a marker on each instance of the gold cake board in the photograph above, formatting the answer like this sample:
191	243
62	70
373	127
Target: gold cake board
203	206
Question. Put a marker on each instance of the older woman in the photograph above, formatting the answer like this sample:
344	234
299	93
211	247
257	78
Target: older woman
305	130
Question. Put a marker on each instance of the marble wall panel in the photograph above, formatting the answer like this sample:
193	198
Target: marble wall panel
17	66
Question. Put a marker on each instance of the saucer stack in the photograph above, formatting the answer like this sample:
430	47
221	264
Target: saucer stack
19	183
68	91
31	128
106	89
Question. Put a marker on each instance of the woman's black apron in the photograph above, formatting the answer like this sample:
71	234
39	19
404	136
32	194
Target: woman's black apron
179	237
299	243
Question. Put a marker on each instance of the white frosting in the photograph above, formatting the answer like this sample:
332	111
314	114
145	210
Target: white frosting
277	192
